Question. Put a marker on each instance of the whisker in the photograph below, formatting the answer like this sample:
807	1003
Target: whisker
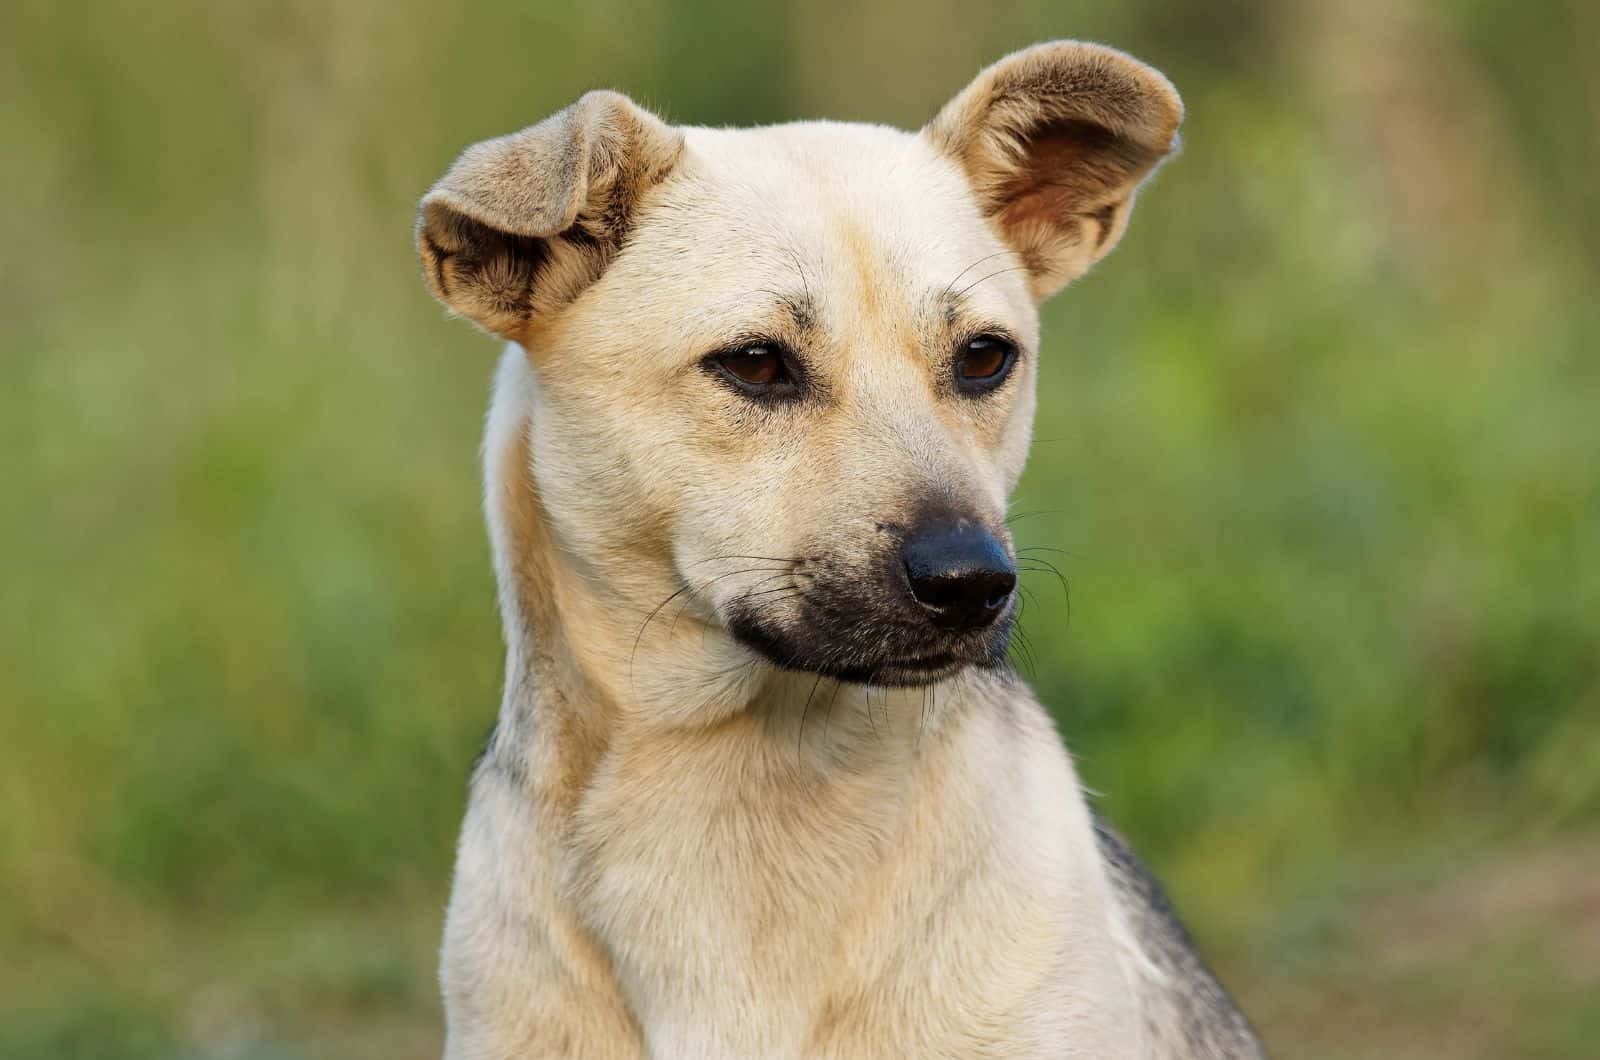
769	592
634	654
1033	565
799	265
800	744
990	276
827	715
712	581
987	257
764	559
1045	548
686	587
763	581
1029	515
1022	645
735	668
922	722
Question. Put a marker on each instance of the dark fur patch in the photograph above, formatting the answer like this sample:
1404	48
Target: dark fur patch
1193	1004
438	257
499	760
858	622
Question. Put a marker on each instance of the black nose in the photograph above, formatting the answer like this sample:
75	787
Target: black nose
959	573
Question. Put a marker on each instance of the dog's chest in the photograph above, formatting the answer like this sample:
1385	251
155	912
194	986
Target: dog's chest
775	919
728	906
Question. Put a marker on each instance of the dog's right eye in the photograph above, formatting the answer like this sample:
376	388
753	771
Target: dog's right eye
759	369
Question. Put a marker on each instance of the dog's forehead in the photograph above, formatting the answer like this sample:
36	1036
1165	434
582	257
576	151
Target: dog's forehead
830	206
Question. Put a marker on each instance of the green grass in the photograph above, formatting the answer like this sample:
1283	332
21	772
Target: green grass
1320	441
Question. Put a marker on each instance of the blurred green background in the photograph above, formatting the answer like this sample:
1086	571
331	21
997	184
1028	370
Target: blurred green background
1322	441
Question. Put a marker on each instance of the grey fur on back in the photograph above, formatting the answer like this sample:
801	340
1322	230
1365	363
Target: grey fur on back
1189	1015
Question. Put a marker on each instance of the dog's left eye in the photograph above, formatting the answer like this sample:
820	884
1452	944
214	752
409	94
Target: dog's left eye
760	369
983	363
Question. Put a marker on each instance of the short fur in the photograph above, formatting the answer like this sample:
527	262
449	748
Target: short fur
740	801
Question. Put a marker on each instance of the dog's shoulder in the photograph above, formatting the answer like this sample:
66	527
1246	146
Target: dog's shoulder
1189	1011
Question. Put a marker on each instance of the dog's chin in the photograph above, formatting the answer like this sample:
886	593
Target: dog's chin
846	660
910	673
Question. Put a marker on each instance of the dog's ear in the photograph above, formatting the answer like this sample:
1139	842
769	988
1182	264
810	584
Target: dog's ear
1055	140
520	225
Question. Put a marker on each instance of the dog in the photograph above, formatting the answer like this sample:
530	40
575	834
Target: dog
762	784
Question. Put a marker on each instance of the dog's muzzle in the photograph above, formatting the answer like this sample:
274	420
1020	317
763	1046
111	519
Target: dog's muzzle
938	599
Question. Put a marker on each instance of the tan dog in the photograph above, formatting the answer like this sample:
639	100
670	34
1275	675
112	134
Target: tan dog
762	785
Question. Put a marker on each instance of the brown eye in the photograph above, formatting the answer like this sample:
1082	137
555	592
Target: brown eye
764	370
757	366
984	363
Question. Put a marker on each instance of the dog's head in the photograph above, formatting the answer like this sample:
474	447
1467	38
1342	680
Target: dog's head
787	374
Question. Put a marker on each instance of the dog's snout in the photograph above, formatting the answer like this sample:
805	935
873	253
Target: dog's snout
959	573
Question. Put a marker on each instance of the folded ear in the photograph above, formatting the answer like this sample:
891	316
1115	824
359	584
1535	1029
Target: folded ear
1056	140
523	223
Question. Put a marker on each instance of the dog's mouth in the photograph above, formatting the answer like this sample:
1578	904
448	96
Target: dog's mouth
860	651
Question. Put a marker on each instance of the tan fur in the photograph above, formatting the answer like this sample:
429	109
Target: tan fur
1056	141
673	847
573	175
